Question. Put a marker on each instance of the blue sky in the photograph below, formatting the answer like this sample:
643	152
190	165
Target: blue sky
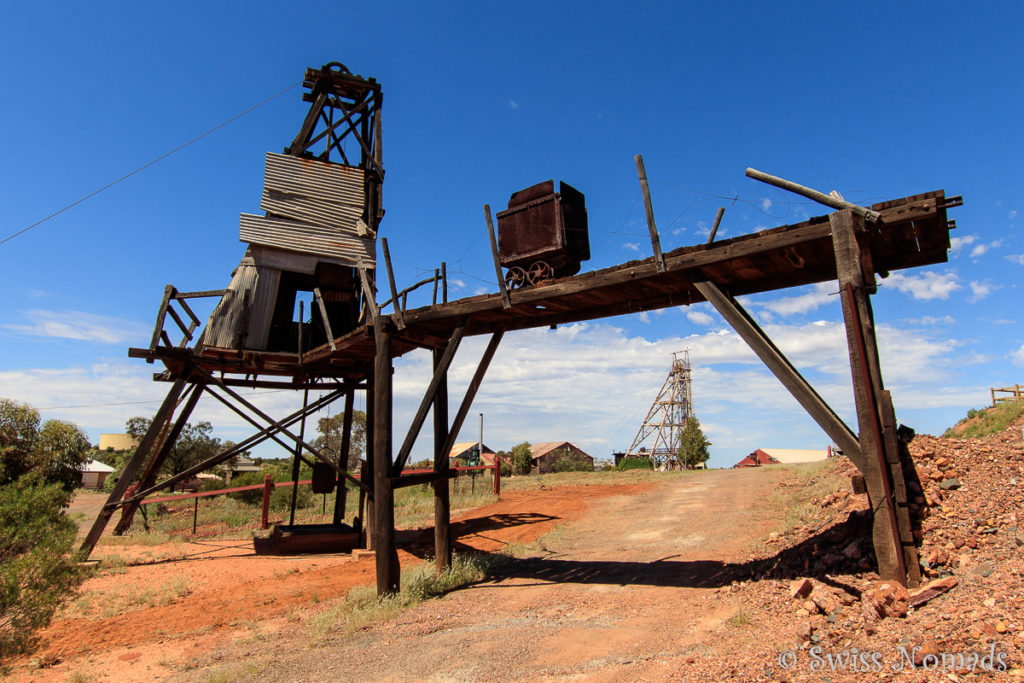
876	100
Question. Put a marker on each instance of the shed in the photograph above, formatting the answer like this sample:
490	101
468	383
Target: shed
784	456
94	473
545	453
462	449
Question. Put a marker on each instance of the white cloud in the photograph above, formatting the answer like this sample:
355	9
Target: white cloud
979	290
1016	258
513	104
1018	356
958	243
81	326
981	249
765	203
925	286
818	295
1013	214
932	320
644	317
699	318
633	246
456	283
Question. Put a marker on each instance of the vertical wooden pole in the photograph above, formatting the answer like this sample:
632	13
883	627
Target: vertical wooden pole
298	452
442	500
343	455
502	287
867	385
367	466
497	475
383	494
268	487
659	259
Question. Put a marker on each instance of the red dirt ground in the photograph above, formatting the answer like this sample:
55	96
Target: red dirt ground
183	599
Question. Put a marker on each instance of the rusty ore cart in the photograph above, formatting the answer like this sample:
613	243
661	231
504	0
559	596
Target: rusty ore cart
543	234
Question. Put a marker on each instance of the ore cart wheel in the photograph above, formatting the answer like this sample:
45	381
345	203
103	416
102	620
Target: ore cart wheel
540	272
515	277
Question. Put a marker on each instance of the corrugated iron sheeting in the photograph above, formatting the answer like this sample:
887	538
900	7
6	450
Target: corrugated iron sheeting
296	236
324	214
332	183
247	307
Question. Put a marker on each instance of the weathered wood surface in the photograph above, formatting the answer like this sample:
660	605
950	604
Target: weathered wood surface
912	231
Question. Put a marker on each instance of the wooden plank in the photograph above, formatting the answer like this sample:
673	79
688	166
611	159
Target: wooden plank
131	469
440	373
502	287
802	391
399	313
343	454
158	328
368	294
421	478
659	258
889	427
442	502
326	319
714	228
474	386
383	494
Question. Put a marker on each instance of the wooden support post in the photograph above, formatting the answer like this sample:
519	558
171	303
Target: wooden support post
505	300
440	373
659	258
158	328
302	317
366	468
369	296
497	475
399	313
169	434
867	384
388	577
780	366
131	469
714	228
343	454
442	487
323	314
444	282
296	459
268	488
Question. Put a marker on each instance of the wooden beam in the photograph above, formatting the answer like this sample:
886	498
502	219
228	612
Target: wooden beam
442	503
659	258
170	436
158	328
474	385
820	197
714	228
502	287
343	454
327	321
399	313
863	365
421	478
440	373
368	294
388	578
132	467
802	391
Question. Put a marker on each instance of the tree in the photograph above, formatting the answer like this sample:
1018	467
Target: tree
693	447
329	441
56	452
194	444
522	459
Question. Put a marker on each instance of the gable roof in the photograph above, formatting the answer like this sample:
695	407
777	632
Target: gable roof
463	447
540	449
96	466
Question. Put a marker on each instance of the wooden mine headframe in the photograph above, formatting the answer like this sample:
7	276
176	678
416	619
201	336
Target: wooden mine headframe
661	433
308	197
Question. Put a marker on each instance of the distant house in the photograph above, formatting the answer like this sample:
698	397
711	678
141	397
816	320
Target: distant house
462	451
783	456
117	442
94	473
545	453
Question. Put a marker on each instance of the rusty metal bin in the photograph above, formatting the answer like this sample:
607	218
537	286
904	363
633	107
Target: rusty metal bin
543	234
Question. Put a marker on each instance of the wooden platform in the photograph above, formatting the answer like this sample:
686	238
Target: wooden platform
913	231
304	539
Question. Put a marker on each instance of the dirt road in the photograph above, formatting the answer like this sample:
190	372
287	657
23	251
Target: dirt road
627	590
624	580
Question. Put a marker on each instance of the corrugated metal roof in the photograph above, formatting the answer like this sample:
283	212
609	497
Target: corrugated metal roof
283	233
246	308
324	214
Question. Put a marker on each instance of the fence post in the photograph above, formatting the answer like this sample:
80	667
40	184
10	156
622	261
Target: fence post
497	475
268	486
195	514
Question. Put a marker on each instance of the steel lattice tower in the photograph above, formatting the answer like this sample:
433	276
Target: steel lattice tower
660	435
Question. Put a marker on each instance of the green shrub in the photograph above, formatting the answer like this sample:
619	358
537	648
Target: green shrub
37	571
570	461
636	464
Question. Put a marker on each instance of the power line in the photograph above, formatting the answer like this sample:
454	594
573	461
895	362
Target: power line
148	164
